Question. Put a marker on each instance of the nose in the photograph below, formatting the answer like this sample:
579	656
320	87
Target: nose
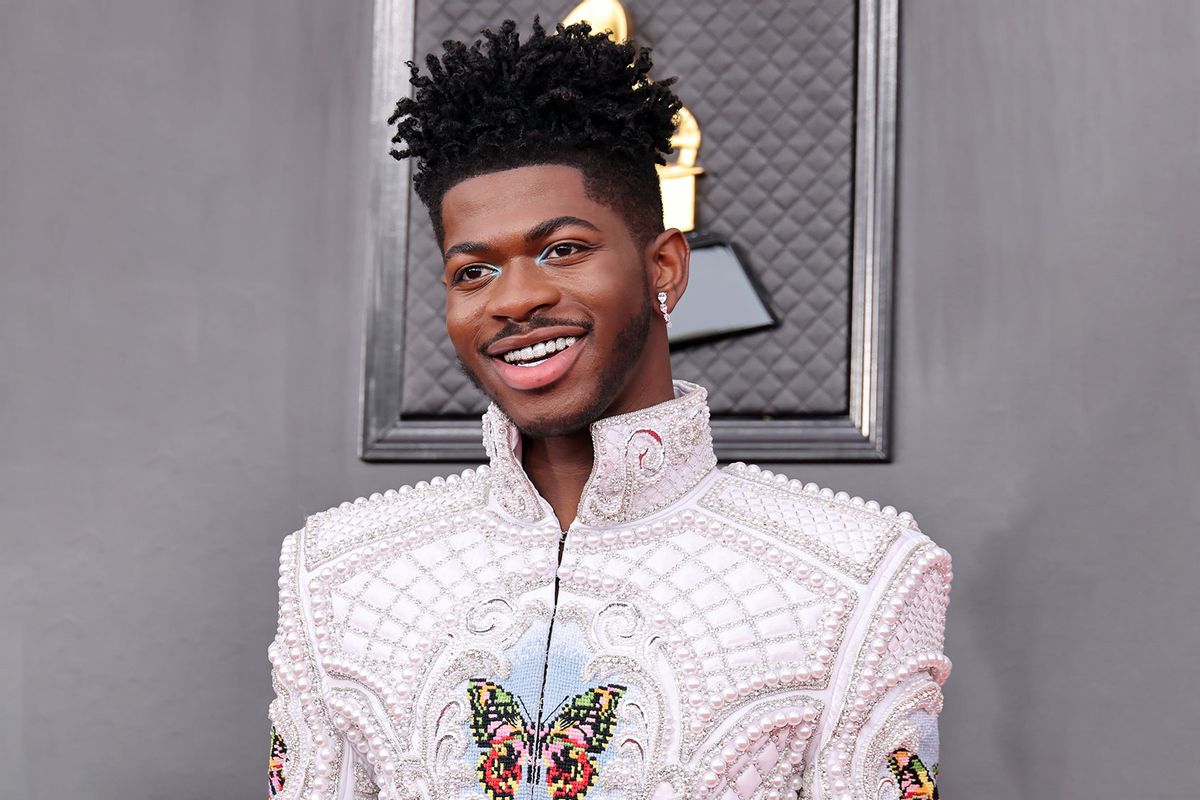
520	291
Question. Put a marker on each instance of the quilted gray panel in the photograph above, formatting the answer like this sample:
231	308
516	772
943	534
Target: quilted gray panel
772	85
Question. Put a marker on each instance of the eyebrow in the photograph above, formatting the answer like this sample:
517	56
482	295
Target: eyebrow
544	229
539	231
463	247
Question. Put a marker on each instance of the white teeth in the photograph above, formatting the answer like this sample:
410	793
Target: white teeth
535	353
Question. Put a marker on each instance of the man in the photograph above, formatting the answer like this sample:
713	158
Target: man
598	612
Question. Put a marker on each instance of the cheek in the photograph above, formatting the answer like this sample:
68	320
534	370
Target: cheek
620	300
616	289
461	323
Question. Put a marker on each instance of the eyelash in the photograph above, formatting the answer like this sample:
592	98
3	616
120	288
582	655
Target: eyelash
458	276
579	249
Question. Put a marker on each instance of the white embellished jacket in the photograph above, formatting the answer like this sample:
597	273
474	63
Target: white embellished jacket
696	633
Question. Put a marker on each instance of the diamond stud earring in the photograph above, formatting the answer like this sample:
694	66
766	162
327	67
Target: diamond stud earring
662	306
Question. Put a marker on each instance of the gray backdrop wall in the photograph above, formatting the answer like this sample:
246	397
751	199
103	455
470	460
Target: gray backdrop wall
182	204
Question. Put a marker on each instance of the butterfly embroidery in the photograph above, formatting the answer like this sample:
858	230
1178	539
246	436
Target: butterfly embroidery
915	780
275	763
515	751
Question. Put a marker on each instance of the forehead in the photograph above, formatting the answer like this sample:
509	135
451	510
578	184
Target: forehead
512	201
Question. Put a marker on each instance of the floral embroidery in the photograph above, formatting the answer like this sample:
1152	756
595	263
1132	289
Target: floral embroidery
275	763
915	780
567	747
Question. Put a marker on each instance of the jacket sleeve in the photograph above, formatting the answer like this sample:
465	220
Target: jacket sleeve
309	757
885	740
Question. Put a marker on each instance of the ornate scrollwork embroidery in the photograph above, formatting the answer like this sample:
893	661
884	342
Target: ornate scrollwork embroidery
489	615
617	622
509	484
646	453
646	460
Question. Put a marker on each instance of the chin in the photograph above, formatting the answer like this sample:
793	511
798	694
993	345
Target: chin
546	416
545	413
546	427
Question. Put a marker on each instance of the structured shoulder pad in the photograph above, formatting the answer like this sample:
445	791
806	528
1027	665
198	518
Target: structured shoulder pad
848	533
342	528
897	670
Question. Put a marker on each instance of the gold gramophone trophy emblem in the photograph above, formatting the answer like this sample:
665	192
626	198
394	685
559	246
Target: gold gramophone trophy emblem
677	179
722	298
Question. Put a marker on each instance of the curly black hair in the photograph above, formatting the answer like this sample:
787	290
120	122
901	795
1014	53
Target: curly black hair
573	97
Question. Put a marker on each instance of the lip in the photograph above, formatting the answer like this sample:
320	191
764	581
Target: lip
524	379
533	337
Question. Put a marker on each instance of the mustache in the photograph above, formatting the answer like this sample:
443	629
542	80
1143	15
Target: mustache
513	329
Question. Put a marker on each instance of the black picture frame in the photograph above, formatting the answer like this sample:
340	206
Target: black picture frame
859	434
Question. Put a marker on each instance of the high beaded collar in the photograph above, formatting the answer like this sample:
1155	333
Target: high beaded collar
645	461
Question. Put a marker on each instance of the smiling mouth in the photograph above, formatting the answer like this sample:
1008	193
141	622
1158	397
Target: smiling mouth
538	353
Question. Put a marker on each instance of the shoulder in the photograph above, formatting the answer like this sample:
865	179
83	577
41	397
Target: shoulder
860	538
339	529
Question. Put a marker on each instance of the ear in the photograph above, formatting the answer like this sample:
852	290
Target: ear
667	259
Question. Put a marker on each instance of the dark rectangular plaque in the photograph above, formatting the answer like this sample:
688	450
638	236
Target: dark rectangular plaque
796	103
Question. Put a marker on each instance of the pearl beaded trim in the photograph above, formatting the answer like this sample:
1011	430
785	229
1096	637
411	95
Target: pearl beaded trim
767	477
338	530
848	533
784	727
314	757
879	668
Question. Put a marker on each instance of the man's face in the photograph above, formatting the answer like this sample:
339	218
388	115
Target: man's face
547	298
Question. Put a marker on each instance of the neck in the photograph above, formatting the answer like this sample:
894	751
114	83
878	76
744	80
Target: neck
558	467
626	466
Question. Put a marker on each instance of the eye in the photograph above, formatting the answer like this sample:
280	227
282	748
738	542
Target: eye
563	250
475	272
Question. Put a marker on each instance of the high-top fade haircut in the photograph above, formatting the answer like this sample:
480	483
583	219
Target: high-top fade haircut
573	97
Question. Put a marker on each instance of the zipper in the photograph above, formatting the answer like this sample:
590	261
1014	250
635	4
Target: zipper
533	776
